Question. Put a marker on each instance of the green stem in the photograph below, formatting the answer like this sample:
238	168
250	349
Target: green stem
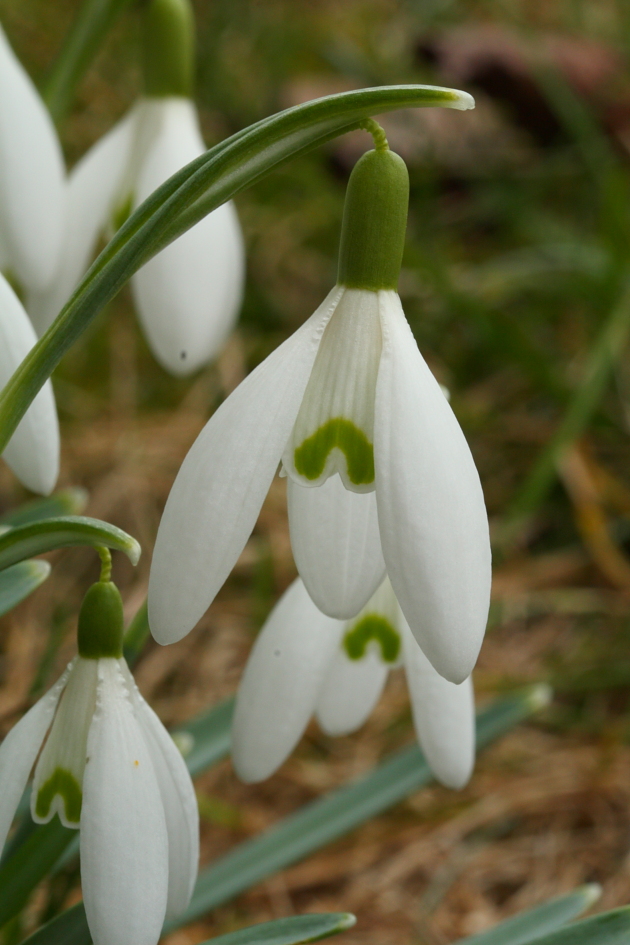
82	42
605	353
189	195
378	134
106	563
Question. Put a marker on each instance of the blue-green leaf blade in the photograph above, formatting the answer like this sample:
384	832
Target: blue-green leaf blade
70	501
35	538
20	580
522	928
290	931
607	928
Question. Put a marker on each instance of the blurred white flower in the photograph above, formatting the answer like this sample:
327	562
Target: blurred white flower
347	404
109	767
33	450
304	662
188	296
32	197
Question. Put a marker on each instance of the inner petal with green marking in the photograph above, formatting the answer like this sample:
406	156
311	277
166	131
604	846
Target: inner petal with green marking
334	429
61	788
374	627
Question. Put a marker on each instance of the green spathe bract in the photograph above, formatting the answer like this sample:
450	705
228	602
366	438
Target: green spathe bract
372	627
374	222
101	626
63	783
338	433
168	41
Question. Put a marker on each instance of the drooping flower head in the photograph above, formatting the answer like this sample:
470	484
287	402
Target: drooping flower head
188	296
304	663
108	766
348	405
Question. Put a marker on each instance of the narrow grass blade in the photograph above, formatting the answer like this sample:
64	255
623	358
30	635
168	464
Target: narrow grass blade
189	195
65	502
525	926
22	542
19	581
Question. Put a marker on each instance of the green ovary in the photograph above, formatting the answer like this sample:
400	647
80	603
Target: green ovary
63	783
372	627
310	458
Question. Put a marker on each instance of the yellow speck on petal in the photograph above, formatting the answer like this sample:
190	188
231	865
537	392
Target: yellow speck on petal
136	763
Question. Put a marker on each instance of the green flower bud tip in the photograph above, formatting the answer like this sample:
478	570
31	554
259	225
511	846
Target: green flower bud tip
374	221
168	48
101	626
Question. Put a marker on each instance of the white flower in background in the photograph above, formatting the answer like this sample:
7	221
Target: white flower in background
33	450
31	179
348	404
188	296
306	663
109	767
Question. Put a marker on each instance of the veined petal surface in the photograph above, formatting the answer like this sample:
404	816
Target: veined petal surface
219	490
431	510
334	430
58	782
188	296
281	682
95	185
32	200
443	715
178	798
19	750
350	691
33	450
336	545
124	845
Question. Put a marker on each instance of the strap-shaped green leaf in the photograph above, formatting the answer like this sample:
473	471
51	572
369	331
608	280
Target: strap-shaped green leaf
25	541
29	864
189	195
526	926
205	740
607	928
19	581
65	502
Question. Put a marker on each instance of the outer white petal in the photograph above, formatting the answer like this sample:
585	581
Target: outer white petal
220	487
189	295
432	516
280	684
179	800
19	751
94	186
31	176
33	450
336	544
351	690
124	845
443	715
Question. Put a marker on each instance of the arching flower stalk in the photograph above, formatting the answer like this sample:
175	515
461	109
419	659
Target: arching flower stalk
33	450
109	767
188	296
32	172
306	663
348	404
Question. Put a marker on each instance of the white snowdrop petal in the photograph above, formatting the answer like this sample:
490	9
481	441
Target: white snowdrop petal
350	691
19	750
334	430
33	450
281	682
31	176
94	186
443	715
58	781
218	492
432	516
336	544
188	295
179	800
124	845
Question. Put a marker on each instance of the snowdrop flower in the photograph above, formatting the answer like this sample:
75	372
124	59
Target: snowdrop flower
31	179
304	662
188	296
33	450
109	767
347	399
